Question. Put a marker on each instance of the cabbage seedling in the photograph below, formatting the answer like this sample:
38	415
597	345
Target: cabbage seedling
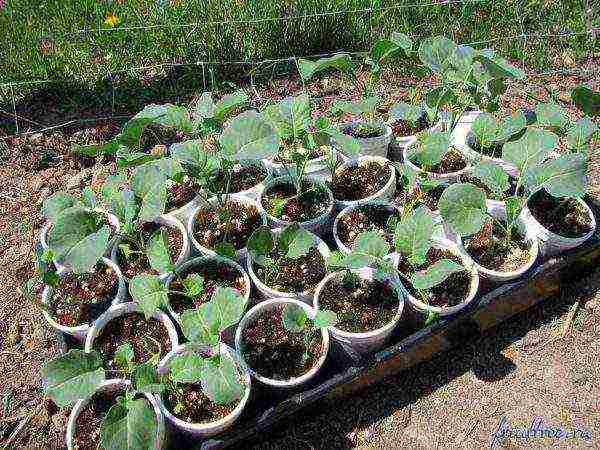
490	132
430	149
208	117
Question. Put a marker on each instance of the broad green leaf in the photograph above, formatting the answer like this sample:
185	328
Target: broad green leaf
153	203
403	41
563	177
88	198
249	136
463	207
579	135
530	150
72	376
551	115
413	234
129	425
587	100
324	319
371	243
364	106
146	379
157	251
431	148
437	53
127	157
57	203
167	115
308	69
407	112
124	356
348	145
486	129
149	293
439	97
145	179
383	49
122	204
131	133
492	175
435	274
261	241
199	325
462	59
226	249
193	284
221	382
192	154
187	367
300	244
497	66
112	184
357	260
510	126
514	205
229	103
228	307
294	318
203	108
91	150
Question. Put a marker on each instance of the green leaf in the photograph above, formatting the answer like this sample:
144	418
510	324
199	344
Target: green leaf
563	177
364	106
167	115
371	243
249	136
587	100
382	50
462	60
146	379
437	53
551	115
357	260
203	108
308	69
157	251
193	285
153	203
413	234
530	150
431	148
300	244
226	249
187	368
348	145
403	41
122	204
294	318
198	325
579	135
149	293
486	129
435	274
325	318
407	112
462	205
261	241
221	382
192	154
124	356
497	66
89	198
131	133
130	425
510	126
91	150
228	104
514	205
492	175
72	376
439	97
57	203
228	307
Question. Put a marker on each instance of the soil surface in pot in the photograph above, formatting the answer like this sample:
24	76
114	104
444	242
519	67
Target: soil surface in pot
362	307
232	222
180	194
451	292
147	337
422	197
565	217
276	353
138	263
81	299
188	402
366	218
494	151
160	135
512	187
89	421
402	128
360	181
243	177
215	274
364	131
293	275
281	201
453	161
489	249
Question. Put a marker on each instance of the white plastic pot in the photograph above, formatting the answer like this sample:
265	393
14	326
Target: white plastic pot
205	251
112	386
552	243
451	177
120	310
406	141
204	430
195	262
167	221
385	193
375	146
498	211
264	308
267	292
467	262
316	168
80	332
318	225
369	341
338	242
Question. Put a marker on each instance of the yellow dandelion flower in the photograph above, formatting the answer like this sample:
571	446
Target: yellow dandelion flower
111	20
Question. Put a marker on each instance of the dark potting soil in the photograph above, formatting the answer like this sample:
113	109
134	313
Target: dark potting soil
364	131
428	198
138	263
366	307
451	162
156	134
512	187
360	181
189	403
81	299
243	177
307	206
293	275
490	250
451	292
495	151
147	337
89	421
232	222
180	194
403	128
565	217
366	218
215	274
275	353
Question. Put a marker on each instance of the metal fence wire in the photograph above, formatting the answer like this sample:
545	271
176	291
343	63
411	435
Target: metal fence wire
208	65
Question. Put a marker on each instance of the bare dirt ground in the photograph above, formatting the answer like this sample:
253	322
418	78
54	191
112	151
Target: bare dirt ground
522	369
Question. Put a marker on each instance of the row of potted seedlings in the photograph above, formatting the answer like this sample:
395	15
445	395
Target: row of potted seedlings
255	198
